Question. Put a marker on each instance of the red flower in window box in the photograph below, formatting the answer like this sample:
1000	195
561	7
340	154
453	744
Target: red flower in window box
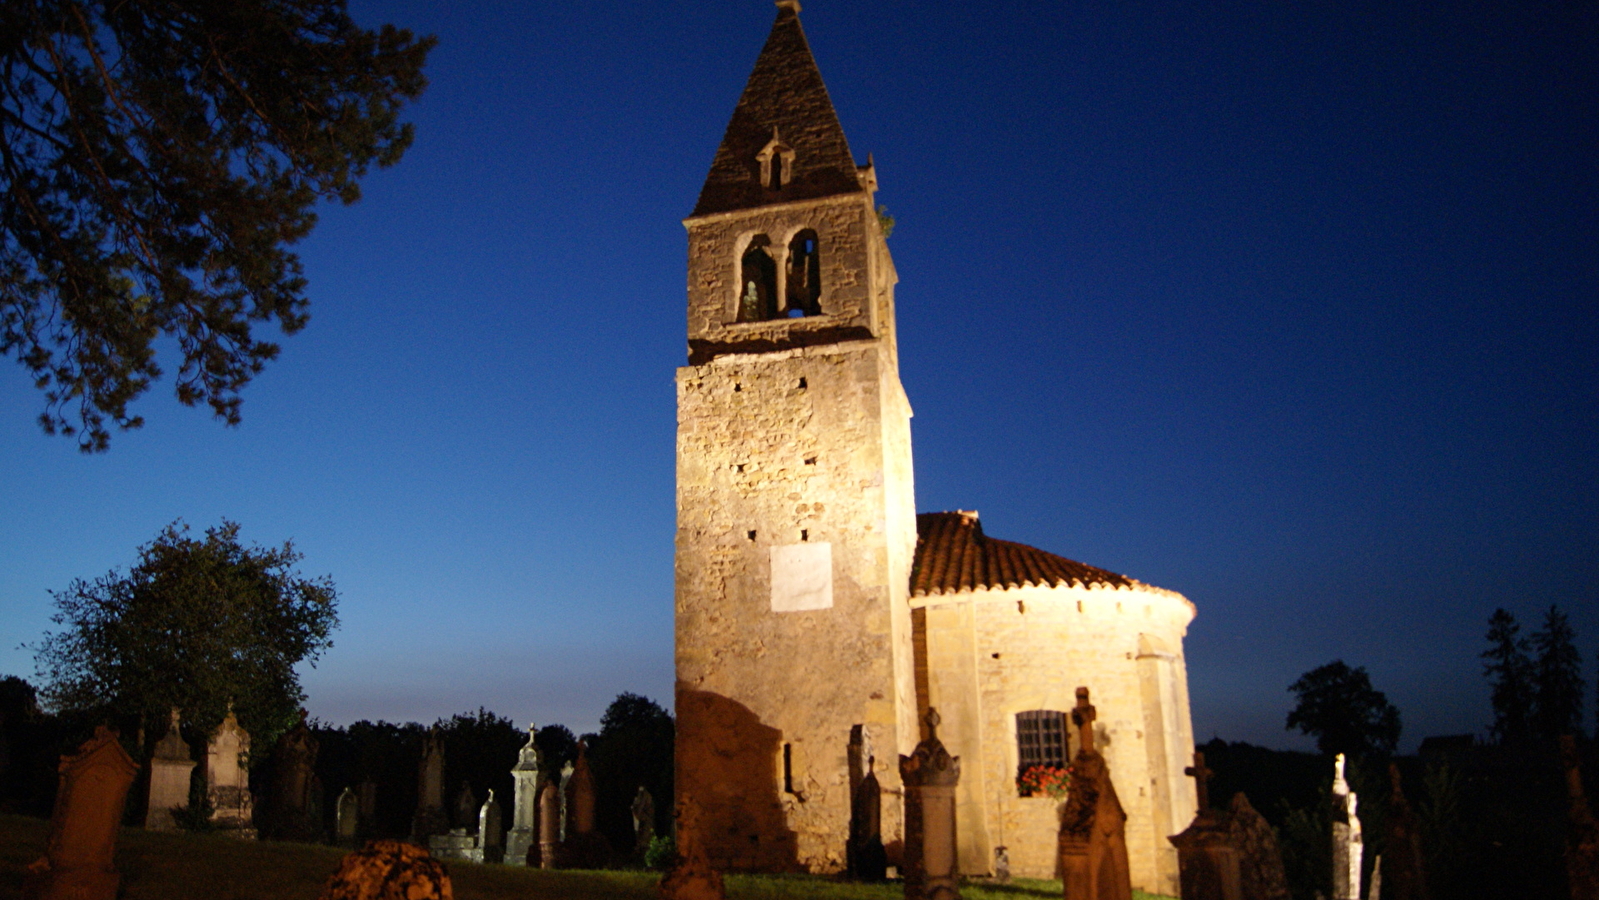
1045	781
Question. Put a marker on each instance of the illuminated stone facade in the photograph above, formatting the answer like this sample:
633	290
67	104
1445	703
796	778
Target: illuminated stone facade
806	643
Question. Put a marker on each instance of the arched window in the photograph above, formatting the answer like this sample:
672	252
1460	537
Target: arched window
804	280
1040	744
757	293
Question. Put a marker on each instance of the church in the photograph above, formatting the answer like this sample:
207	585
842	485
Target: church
818	617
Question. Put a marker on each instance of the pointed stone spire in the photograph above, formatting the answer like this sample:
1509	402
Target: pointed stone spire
784	142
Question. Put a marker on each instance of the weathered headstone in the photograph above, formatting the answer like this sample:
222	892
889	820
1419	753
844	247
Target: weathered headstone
643	821
1347	842
389	870
464	811
1002	865
930	775
524	805
429	818
1093	838
1402	869
368	794
1260	859
291	805
347	817
691	876
79	855
170	768
865	856
490	832
227	779
1207	858
584	847
549	825
1582	832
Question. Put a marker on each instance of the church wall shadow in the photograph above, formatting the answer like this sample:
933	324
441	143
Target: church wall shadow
727	766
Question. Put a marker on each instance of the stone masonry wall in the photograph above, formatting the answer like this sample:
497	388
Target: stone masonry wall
791	449
995	653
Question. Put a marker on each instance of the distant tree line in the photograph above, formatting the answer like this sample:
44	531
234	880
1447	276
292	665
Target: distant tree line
1492	815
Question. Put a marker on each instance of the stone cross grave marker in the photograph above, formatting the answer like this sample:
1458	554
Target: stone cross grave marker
1207	859
80	851
1093	840
524	802
930	775
170	769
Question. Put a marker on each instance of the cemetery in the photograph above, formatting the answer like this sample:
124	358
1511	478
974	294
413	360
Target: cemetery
870	703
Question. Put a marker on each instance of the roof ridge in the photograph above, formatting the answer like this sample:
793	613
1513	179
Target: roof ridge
954	555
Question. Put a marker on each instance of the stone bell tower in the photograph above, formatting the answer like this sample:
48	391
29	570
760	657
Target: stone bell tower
796	524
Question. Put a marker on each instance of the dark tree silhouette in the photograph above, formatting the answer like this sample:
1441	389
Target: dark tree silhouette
1340	708
632	750
196	624
1509	673
156	162
1557	677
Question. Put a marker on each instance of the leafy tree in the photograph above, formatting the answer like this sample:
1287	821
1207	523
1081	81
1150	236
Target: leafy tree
632	750
1557	677
157	159
557	747
1343	711
1510	675
195	624
480	748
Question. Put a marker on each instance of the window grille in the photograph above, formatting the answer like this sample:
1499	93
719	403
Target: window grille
1040	739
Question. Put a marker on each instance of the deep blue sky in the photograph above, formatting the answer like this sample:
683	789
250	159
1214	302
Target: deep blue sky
1290	307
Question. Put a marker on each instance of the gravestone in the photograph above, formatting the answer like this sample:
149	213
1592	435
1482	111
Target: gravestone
1347	843
347	817
1401	869
389	870
490	832
1260	859
80	852
930	775
368	795
170	768
643	821
549	825
1002	865
1582	832
691	876
464	811
1207	858
584	847
227	777
292	806
566	798
524	805
865	856
1093	839
429	818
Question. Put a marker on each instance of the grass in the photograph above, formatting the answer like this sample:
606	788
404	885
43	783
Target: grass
176	866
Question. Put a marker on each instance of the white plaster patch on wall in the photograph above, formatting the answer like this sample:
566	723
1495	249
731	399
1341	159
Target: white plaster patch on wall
802	577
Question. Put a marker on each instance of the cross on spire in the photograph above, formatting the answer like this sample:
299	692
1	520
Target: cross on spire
1083	716
1201	776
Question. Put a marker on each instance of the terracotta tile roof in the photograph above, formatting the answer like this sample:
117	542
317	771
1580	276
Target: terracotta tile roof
953	555
785	92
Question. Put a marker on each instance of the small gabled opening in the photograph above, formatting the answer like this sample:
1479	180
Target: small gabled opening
776	161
